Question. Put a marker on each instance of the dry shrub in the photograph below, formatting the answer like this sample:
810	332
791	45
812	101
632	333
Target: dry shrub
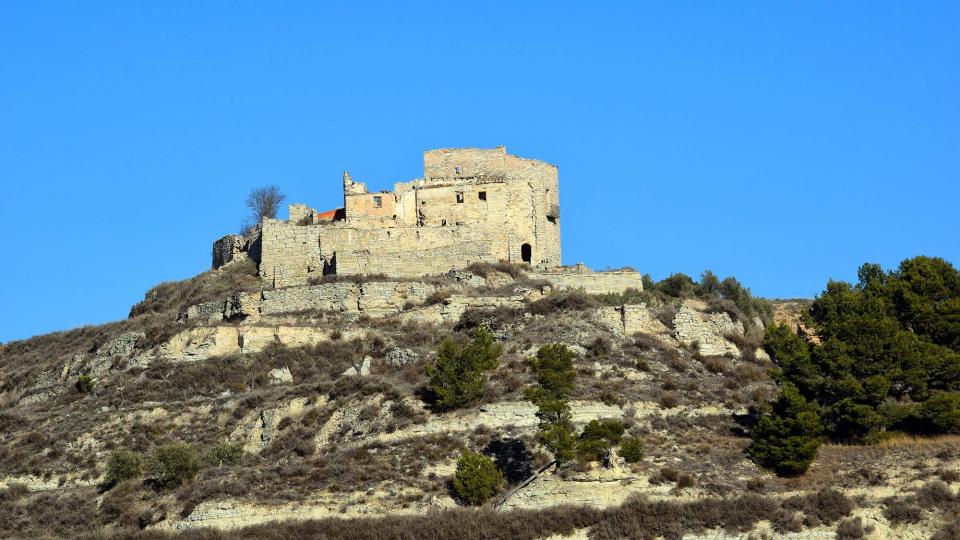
686	480
852	529
666	315
948	475
900	511
646	342
599	348
173	296
514	270
436	298
128	504
669	400
14	492
49	514
674	359
934	493
822	507
716	364
564	301
629	296
664	475
492	318
750	340
748	373
949	531
638	518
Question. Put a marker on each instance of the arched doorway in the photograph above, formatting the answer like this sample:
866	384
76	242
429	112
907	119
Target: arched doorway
526	253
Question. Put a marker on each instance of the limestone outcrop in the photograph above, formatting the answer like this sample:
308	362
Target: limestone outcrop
707	331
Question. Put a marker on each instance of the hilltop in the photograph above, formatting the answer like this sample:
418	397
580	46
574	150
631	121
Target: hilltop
310	404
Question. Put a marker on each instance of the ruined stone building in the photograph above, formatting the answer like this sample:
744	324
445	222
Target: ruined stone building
471	205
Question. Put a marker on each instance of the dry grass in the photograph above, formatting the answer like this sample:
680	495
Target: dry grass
514	270
564	301
173	296
638	518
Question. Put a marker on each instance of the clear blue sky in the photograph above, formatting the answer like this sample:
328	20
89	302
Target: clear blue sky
783	143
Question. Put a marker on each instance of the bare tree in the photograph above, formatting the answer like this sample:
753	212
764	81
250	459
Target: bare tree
264	202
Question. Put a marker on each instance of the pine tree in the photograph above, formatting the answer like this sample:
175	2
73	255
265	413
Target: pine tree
553	367
787	438
457	376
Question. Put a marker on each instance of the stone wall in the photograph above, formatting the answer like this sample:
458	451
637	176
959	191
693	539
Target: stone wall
290	253
375	298
472	205
580	277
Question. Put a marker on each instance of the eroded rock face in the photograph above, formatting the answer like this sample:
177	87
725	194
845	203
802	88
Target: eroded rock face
630	319
599	488
232	514
353	420
235	247
376	299
453	307
114	354
243	305
363	371
122	345
707	330
200	343
259	428
207	312
280	376
466	278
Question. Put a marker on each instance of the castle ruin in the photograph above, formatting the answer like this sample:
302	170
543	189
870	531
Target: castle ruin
471	205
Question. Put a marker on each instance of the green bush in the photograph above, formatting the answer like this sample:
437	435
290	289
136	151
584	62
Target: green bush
724	295
679	285
787	438
456	378
123	465
224	454
84	384
607	429
175	463
597	438
631	449
477	478
593	450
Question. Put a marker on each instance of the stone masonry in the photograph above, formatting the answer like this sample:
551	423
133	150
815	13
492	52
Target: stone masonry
471	205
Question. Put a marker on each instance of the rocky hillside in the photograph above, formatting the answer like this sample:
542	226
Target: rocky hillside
309	406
